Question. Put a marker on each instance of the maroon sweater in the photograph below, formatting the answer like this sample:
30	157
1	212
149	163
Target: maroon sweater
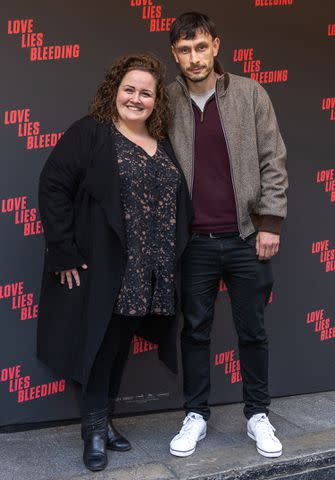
213	195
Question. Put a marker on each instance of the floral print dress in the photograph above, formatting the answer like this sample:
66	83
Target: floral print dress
149	186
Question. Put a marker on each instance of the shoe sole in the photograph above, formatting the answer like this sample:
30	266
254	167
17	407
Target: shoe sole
96	469
115	449
278	453
187	453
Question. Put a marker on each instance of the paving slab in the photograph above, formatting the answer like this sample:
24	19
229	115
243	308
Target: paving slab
310	412
150	471
52	453
233	423
329	395
305	424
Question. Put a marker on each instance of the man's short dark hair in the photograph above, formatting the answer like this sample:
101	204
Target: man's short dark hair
187	25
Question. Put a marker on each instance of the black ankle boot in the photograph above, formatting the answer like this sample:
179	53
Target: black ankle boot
116	441
94	433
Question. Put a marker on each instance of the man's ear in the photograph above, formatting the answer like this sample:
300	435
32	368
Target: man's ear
174	53
216	46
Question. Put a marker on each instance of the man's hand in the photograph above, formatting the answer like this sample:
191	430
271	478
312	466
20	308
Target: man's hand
68	274
267	245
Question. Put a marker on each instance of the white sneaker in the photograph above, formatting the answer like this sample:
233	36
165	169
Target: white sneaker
260	429
194	429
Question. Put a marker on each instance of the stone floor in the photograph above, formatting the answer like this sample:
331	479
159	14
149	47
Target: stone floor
305	424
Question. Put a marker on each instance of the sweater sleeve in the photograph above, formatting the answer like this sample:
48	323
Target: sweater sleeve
58	185
272	160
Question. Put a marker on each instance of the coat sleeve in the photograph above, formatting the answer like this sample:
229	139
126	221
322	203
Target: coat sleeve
272	160
58	185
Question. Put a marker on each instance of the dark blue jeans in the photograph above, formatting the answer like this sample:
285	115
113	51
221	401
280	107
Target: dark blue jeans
249	282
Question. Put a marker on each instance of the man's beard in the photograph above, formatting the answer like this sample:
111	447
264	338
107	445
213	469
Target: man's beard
200	78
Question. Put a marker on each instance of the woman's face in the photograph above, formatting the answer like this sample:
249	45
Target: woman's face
135	99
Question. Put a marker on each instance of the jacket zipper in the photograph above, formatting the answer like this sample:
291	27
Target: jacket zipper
228	148
230	163
202	112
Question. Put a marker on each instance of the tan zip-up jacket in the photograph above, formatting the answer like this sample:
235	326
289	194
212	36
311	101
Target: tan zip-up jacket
256	149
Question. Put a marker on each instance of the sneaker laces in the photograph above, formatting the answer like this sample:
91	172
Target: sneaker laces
188	426
265	428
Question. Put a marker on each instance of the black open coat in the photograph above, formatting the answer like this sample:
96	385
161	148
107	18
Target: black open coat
80	207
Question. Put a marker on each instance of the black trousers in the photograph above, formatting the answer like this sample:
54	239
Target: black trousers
106	374
249	282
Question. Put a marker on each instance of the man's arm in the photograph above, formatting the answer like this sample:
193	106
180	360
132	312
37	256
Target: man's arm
272	208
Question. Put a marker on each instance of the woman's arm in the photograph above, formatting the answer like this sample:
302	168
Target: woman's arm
59	181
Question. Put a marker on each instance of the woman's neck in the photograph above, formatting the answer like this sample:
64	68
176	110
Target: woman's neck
132	128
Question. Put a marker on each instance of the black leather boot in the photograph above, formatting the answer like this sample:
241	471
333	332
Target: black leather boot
116	441
94	433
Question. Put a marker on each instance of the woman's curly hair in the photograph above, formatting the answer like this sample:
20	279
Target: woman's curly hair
103	106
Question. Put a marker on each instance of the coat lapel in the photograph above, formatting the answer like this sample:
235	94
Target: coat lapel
102	181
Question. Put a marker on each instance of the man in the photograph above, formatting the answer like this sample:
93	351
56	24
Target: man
226	137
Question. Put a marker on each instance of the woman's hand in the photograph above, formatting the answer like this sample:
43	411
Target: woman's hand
68	274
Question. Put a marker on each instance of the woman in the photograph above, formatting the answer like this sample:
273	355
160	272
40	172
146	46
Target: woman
115	211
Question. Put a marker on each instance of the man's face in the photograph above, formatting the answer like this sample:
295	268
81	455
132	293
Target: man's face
196	57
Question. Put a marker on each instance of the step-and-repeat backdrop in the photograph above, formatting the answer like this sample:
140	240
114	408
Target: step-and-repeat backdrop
54	56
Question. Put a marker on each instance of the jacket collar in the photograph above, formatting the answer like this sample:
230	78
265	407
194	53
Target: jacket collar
222	84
